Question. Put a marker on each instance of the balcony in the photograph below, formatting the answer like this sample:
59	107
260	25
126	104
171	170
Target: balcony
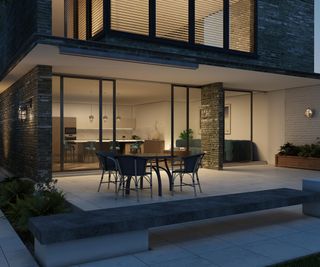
226	25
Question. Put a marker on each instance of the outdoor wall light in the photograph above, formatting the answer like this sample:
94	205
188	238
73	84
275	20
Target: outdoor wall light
22	113
25	109
309	113
105	118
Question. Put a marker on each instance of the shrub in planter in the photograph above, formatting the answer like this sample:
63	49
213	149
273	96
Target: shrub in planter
11	189
289	149
39	204
22	199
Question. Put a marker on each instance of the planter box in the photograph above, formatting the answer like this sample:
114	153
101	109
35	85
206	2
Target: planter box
298	162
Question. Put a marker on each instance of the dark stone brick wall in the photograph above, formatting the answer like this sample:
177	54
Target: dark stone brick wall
212	125
285	41
25	146
19	22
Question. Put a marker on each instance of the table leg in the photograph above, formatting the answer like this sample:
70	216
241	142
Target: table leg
128	185
167	170
157	171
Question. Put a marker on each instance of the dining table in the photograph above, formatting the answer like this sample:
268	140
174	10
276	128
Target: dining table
155	159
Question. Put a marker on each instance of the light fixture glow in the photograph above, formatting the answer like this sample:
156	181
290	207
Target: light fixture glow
309	113
91	117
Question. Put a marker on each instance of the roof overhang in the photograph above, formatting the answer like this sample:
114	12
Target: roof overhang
119	66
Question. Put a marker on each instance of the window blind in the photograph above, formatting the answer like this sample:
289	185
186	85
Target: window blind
130	16
82	19
69	15
172	19
209	22
96	17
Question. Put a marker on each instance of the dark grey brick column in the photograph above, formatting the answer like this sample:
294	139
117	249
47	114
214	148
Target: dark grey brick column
25	146
212	125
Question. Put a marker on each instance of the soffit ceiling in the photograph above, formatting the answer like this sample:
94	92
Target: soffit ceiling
121	70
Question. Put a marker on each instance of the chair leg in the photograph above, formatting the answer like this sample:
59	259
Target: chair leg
136	187
101	181
151	185
115	181
194	185
198	182
109	179
181	177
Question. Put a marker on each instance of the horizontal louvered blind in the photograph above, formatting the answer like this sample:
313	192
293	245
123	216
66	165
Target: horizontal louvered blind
209	22
172	19
242	25
130	16
96	17
82	19
69	11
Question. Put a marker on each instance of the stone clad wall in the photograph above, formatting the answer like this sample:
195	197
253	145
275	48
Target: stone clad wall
212	125
25	146
20	21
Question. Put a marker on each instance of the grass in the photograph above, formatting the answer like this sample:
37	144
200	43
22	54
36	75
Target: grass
308	261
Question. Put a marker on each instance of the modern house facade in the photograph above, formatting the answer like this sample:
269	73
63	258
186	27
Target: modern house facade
77	76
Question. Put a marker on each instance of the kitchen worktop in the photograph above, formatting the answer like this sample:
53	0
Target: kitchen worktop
107	141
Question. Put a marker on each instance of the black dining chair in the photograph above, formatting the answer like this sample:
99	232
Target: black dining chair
189	166
109	166
133	168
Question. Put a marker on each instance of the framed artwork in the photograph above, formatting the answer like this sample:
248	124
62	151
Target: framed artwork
227	119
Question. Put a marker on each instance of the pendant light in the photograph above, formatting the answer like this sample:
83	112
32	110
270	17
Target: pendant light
118	118
105	117
91	117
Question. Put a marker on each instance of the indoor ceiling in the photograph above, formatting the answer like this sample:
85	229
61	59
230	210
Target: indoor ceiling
129	70
128	92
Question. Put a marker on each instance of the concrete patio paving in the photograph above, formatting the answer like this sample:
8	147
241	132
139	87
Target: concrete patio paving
253	239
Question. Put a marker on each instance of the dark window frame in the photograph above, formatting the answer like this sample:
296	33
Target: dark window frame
152	38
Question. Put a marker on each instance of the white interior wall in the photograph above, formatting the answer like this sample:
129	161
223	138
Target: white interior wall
194	122
240	117
153	121
260	125
241	121
317	36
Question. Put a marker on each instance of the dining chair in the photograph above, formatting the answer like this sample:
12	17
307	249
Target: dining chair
107	165
189	166
133	168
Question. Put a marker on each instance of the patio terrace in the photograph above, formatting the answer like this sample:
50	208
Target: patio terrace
81	189
253	239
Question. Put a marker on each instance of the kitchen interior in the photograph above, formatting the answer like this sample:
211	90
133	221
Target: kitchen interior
143	119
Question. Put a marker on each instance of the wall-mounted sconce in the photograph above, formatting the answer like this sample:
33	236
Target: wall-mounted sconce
309	113
24	110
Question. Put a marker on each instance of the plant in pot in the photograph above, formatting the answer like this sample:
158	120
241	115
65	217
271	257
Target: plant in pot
185	133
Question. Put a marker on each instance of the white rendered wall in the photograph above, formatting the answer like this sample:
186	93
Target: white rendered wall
317	36
276	123
299	129
261	125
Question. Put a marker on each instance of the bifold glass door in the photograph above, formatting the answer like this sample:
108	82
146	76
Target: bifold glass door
123	116
81	122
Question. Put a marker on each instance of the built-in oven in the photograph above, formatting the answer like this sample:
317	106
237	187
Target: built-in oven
70	133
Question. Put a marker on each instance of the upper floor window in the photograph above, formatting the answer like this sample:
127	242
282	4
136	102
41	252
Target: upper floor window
227	24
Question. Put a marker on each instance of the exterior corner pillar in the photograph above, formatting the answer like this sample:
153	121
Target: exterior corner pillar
212	125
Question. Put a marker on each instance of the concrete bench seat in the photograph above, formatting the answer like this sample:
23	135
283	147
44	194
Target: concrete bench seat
93	235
